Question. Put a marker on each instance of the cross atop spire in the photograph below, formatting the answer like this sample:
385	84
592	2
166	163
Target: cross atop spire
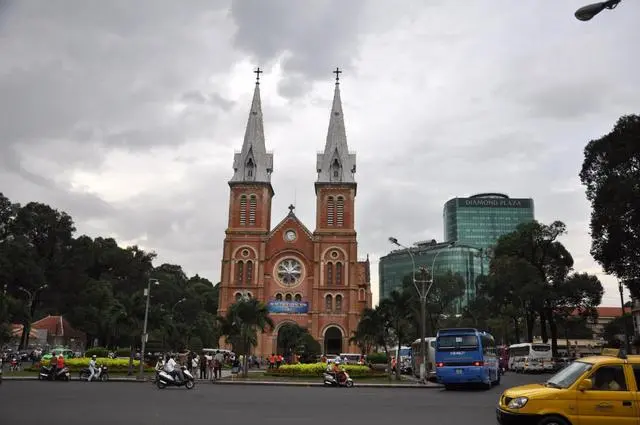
253	163
336	164
258	71
291	208
337	72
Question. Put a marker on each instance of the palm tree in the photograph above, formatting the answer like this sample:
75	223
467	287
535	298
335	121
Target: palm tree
241	324
374	327
399	311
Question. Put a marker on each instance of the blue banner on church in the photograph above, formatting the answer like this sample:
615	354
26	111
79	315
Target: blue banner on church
291	307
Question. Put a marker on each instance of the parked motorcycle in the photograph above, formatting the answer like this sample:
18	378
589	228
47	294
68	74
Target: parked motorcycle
101	374
165	379
47	374
331	380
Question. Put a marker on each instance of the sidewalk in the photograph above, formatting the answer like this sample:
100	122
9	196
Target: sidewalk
117	378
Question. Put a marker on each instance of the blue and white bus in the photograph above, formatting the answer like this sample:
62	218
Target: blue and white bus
466	356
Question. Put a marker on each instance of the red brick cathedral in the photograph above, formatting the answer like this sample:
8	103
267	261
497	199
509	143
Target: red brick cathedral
310	278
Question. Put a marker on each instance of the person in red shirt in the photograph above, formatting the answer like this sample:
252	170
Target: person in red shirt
60	362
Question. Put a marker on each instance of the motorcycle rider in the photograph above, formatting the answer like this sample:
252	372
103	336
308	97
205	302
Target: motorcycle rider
173	369
338	372
92	368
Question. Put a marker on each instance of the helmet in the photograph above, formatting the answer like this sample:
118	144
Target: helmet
94	356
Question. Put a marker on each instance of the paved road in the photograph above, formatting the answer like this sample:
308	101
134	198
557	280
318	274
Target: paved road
82	403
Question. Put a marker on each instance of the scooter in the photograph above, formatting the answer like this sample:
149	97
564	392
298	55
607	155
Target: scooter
330	380
46	374
165	379
101	374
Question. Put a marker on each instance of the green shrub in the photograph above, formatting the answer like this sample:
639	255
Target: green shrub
123	352
377	358
316	370
97	351
114	365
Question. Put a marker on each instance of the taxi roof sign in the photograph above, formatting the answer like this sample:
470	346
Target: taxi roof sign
614	352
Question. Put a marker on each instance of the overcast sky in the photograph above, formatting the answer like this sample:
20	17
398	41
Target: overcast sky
126	114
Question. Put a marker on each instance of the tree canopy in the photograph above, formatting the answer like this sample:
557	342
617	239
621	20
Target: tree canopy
97	285
611	174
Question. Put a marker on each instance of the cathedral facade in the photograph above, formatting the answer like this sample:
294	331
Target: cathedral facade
311	278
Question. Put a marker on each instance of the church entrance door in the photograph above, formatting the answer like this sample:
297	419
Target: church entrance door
333	340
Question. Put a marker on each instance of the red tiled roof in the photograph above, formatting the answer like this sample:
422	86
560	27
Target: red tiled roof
612	311
17	329
606	311
57	326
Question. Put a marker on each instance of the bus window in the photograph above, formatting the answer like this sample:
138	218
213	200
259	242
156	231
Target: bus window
457	342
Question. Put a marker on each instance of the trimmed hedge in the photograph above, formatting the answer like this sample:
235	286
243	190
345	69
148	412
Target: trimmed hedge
114	365
316	370
97	351
377	358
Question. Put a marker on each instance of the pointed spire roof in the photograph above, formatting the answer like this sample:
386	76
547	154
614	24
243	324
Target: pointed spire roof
253	163
336	164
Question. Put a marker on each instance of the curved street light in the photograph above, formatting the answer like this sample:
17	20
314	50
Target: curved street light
587	12
147	294
423	292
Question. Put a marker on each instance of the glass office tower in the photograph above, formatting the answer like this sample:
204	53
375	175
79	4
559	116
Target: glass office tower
480	220
459	259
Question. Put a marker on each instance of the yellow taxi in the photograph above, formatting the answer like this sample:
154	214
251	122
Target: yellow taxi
599	390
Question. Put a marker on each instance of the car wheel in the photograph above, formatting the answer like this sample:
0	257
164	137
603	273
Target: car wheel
553	420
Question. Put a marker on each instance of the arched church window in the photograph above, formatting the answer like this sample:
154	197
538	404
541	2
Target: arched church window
328	303
288	297
252	210
238	296
250	169
338	303
243	210
297	298
248	275
338	274
330	210
335	168
329	274
239	272
278	297
340	211
361	294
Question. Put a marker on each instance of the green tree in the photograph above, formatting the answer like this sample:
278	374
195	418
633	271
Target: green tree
289	337
242	323
611	172
397	309
614	331
549	265
375	326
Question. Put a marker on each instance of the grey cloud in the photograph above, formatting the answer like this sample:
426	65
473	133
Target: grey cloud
315	36
211	99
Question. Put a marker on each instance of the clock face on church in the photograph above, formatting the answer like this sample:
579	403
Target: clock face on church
289	272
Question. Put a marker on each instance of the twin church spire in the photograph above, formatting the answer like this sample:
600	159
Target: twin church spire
334	165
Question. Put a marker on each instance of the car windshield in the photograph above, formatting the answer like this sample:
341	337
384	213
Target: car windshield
567	376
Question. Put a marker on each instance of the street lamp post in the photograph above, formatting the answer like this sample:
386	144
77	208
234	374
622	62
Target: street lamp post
144	328
587	12
423	292
627	342
30	298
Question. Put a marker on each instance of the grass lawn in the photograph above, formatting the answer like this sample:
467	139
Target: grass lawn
257	376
